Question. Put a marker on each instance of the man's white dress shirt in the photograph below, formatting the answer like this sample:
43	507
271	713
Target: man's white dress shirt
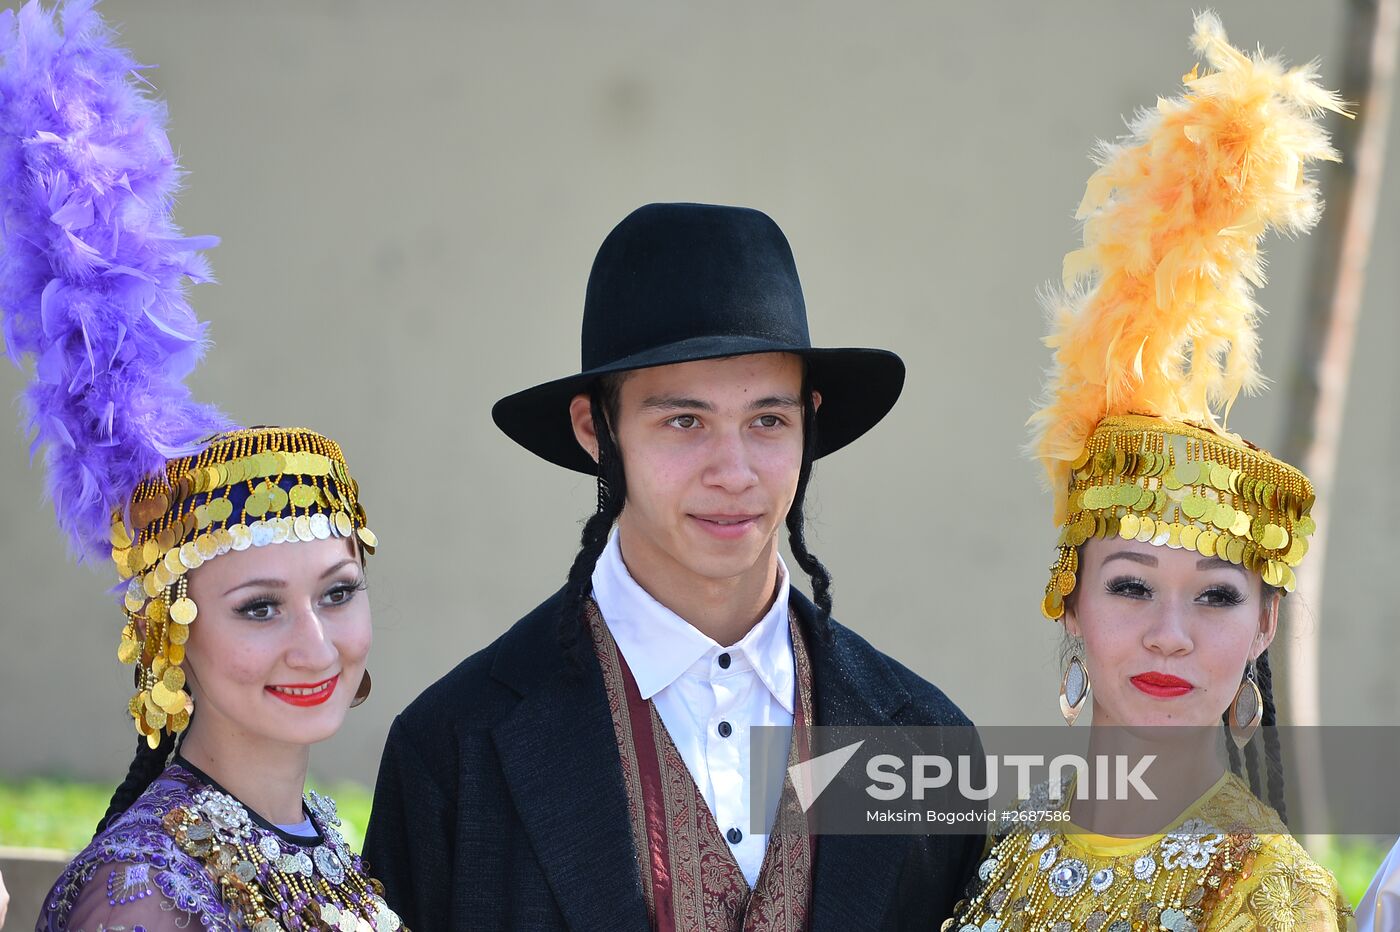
708	696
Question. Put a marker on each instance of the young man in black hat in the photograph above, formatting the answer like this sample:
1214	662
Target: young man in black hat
589	770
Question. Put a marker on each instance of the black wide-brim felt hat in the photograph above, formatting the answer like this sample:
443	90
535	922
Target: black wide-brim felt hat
679	283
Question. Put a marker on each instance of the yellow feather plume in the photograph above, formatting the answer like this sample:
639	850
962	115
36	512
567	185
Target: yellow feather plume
1156	314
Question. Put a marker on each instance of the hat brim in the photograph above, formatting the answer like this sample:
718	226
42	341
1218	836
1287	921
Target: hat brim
858	388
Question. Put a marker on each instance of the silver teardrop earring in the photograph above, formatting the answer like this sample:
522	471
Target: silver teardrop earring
1074	689
1246	709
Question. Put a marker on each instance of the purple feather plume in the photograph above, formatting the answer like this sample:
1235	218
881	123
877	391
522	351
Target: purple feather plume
92	267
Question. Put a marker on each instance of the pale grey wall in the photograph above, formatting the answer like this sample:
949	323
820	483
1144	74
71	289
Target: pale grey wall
410	195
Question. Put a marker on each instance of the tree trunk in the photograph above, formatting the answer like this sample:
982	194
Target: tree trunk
1317	396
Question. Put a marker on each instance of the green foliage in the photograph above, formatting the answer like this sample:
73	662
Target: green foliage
56	813
44	813
1353	861
352	802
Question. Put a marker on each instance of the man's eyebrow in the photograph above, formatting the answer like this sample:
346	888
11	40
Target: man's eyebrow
777	401
677	402
674	403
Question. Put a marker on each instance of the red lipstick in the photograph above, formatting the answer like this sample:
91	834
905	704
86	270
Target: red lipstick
304	694
1161	685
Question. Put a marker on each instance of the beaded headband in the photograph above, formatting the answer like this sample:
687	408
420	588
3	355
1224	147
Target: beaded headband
247	488
1154	328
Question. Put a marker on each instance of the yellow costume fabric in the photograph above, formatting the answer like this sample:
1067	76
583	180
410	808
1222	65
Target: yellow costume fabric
1226	864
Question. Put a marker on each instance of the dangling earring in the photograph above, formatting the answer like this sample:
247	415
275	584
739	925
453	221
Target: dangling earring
1074	689
1246	709
362	693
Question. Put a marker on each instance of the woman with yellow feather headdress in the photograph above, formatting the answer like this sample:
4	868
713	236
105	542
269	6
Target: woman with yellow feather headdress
1177	537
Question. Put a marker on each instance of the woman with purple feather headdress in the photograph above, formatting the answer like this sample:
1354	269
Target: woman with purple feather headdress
212	825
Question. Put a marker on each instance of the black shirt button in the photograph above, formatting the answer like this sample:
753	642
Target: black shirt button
725	729
734	835
724	661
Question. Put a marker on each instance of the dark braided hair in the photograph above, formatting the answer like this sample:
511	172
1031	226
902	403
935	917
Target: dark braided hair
612	494
1254	769
1236	762
797	520
1263	768
145	767
1273	753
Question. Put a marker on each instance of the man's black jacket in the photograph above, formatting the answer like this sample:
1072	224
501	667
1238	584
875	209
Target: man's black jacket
500	802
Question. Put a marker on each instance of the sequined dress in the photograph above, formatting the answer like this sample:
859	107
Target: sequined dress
189	856
1226	864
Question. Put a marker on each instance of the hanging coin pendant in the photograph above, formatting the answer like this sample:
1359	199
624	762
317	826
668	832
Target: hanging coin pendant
1246	705
328	865
1175	920
270	848
1074	684
183	611
1068	877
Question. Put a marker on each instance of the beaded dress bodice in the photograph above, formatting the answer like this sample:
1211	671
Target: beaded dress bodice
187	855
1226	863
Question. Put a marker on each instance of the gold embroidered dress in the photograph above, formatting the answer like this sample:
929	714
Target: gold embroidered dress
1226	864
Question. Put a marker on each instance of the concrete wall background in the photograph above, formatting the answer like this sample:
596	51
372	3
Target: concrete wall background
410	196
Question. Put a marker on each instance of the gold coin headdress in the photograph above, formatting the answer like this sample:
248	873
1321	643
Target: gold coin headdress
246	488
1153	331
93	271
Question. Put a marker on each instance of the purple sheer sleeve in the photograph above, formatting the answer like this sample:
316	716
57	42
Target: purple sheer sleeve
124	897
133	876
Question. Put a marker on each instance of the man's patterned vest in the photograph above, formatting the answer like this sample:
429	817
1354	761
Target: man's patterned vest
690	880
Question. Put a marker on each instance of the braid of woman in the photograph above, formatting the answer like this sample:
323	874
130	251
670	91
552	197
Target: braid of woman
145	767
612	492
796	521
1236	761
1256	769
1273	753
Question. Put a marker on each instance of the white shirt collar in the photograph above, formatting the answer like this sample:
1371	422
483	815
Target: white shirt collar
659	645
